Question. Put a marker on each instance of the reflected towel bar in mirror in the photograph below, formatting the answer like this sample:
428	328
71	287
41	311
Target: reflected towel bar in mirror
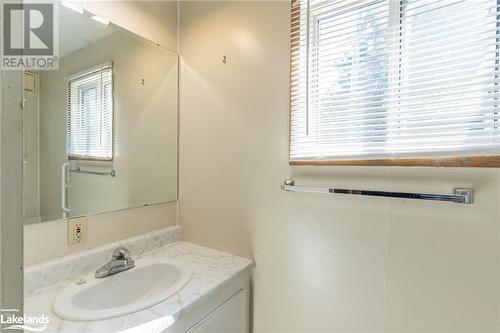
460	195
111	173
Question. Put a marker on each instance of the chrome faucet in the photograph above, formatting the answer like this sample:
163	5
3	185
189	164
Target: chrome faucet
121	261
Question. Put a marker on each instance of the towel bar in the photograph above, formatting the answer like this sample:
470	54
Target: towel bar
460	195
112	173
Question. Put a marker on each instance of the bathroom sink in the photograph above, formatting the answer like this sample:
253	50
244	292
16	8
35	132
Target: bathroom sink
150	282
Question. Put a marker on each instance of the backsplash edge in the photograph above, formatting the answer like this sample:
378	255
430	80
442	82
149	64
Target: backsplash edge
55	270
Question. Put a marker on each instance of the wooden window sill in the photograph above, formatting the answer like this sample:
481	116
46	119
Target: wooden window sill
83	159
456	162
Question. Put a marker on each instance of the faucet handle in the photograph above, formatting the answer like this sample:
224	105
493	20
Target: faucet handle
121	253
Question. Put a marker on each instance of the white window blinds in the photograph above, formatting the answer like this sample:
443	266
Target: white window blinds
90	115
393	79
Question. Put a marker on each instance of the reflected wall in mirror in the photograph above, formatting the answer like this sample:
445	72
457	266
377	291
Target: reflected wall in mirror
100	133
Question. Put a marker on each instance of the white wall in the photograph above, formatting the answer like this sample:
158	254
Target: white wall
155	20
323	262
48	240
11	190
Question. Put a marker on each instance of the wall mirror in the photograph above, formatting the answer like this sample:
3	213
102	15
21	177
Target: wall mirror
100	133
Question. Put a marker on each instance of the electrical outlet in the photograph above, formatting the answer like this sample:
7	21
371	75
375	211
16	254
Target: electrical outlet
77	230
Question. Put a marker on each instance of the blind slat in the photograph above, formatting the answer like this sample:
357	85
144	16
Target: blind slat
385	79
90	115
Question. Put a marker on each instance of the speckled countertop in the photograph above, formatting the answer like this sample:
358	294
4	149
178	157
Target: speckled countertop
212	271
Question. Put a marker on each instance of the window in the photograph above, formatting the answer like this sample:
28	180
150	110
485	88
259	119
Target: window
411	82
90	115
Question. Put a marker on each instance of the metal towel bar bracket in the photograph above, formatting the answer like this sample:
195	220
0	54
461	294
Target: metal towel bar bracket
460	195
111	173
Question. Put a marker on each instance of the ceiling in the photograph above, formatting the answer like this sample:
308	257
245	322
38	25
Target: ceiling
78	30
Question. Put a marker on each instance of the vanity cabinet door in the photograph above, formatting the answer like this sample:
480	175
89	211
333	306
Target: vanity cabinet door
229	317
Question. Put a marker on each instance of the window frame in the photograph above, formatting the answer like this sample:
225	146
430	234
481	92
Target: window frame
90	71
477	161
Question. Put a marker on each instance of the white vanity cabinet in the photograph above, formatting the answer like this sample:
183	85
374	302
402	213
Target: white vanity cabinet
229	317
225	312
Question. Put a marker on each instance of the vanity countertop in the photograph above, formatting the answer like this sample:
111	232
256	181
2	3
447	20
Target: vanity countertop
212	271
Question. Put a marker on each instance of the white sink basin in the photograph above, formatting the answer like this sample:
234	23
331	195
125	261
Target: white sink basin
148	283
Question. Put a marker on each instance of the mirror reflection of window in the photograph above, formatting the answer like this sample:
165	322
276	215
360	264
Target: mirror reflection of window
90	115
118	134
